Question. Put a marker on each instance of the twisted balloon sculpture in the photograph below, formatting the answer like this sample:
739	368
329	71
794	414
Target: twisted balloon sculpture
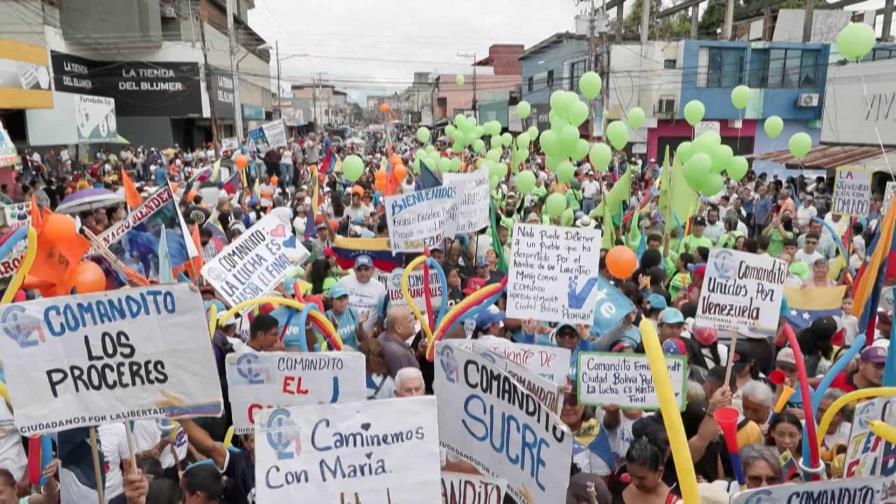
317	318
25	266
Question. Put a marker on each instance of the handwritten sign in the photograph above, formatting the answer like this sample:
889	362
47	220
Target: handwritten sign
852	191
163	200
741	291
74	361
415	288
624	379
471	209
374	452
867	454
854	491
230	143
549	362
280	379
420	219
256	262
888	196
275	133
461	488
553	272
479	403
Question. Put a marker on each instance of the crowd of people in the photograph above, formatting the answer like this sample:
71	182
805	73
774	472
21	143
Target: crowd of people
186	461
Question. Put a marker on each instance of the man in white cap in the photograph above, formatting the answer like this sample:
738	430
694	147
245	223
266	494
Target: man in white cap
365	295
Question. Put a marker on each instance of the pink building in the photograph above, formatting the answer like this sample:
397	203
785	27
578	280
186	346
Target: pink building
497	75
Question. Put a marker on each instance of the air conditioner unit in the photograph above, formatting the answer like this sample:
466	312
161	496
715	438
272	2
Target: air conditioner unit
807	100
665	106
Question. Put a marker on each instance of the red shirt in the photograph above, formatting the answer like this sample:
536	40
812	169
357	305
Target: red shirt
843	382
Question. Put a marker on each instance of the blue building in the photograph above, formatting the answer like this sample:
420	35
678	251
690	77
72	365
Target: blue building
555	63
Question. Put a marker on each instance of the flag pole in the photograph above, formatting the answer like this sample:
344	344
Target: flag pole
97	471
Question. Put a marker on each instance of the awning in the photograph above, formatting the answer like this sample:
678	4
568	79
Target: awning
829	157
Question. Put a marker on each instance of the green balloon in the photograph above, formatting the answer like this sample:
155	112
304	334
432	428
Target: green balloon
445	165
450	130
696	169
497	170
555	204
456	162
523	109
617	134
521	154
525	181
738	168
694	111
684	152
581	150
740	97
636	118
460	121
459	80
430	148
712	184
423	134
565	102
493	183
506	139
533	132
773	126
352	168
496	142
800	144
492	128
550	143
569	137
578	112
522	140
478	131
721	158
565	172
457	147
855	40
600	156
707	142
557	100
589	85
415	166
551	162
493	155
478	146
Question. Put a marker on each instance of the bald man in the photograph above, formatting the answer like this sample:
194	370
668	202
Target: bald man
396	338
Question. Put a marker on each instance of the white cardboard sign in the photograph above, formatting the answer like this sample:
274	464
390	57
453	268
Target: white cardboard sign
549	362
279	379
852	191
420	219
857	491
471	209
462	488
624	380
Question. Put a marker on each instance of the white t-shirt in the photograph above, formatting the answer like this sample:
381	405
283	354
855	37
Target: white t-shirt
839	437
804	215
365	298
590	188
114	443
809	259
621	438
360	210
299	224
714	231
12	453
148	433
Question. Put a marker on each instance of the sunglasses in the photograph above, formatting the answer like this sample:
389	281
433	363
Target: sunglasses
362	268
567	334
570	399
759	480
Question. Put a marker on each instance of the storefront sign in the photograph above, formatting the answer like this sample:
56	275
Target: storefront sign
222	93
252	112
74	119
24	76
865	111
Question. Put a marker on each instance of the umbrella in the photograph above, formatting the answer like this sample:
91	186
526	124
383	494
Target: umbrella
89	199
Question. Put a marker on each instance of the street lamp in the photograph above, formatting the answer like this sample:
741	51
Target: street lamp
276	48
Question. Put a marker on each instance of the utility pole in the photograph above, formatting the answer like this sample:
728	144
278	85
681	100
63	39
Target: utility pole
887	24
208	79
645	21
695	20
279	93
807	20
728	27
235	72
475	103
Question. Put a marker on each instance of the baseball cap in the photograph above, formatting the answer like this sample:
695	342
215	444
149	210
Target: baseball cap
473	285
671	316
481	262
363	260
785	356
699	221
489	316
656	302
674	346
874	354
337	291
322	225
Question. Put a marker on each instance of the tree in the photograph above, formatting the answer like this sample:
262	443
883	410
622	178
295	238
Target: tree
665	28
714	17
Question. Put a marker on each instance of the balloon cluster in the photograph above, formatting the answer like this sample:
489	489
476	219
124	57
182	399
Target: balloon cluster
704	160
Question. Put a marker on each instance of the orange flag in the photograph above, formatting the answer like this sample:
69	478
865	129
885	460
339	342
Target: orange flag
131	195
59	252
36	217
195	265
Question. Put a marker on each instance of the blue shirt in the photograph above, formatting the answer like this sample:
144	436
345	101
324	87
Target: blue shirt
346	325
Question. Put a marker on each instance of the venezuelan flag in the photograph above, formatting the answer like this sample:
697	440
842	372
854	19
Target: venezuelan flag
347	249
805	304
870	277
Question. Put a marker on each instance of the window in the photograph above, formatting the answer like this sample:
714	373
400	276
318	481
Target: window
550	80
725	67
531	84
576	69
776	58
784	68
809	69
882	54
669	64
792	69
759	68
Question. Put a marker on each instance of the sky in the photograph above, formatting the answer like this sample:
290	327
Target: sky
375	46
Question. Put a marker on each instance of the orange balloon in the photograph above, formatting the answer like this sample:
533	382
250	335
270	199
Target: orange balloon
275	180
621	262
380	184
384	108
89	277
380	175
241	161
58	227
399	172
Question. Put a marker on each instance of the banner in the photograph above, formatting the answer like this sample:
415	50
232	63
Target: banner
478	404
256	262
221	93
280	379
889	192
852	191
471	201
741	291
553	272
461	488
419	220
231	144
275	133
549	362
867	454
861	491
415	288
73	361
136	239
624	380
374	452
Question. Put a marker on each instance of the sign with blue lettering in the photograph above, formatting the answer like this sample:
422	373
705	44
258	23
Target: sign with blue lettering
867	454
113	356
854	491
624	380
256	262
490	422
277	379
376	452
421	219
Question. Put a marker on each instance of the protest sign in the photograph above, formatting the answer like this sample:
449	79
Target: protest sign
91	359
275	133
479	403
624	380
471	209
888	196
853	491
256	262
462	488
230	143
553	272
280	379
415	288
419	220
375	452
550	362
866	453
16	215
741	291
852	191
